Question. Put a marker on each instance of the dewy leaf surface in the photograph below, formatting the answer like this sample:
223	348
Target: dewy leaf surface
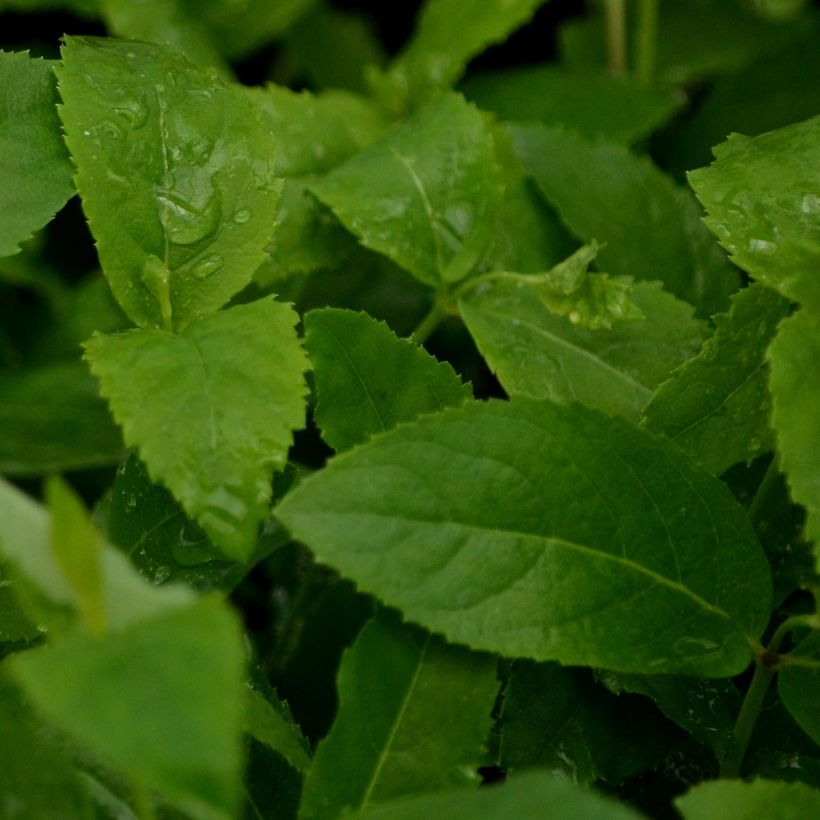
211	410
531	796
794	359
425	195
34	164
535	352
763	203
448	35
719	799
414	714
647	227
176	172
547	531
716	406
160	699
799	685
367	379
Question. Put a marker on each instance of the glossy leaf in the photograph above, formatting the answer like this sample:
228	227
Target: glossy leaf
535	352
749	801
794	359
468	521
368	380
593	104
762	203
52	418
34	163
448	34
414	713
716	406
176	174
799	685
425	195
185	743
647	227
211	410
531	796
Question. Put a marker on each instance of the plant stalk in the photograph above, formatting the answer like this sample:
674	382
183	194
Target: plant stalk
437	313
616	34
647	41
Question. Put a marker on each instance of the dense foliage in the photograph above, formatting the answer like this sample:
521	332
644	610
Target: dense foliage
432	425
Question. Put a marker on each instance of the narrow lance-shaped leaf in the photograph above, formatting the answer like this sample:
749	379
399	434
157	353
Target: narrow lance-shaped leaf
794	359
535	352
425	195
34	164
647	226
546	531
716	406
176	173
270	722
414	713
799	684
762	198
367	379
749	801
211	409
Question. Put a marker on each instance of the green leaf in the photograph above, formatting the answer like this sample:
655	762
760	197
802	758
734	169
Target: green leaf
794	360
545	531
648	228
799	684
159	699
271	723
52	419
211	410
716	406
176	174
535	352
531	796
15	627
414	714
562	720
368	380
749	801
425	195
34	164
591	103
449	33
762	201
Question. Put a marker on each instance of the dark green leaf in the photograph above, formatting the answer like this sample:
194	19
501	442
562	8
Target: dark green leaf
546	531
368	380
271	723
716	406
414	713
799	685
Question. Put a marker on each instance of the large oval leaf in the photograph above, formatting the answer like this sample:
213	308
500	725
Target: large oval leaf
546	531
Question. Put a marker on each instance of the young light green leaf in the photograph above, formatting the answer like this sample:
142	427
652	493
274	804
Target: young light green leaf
593	104
762	203
794	361
449	34
544	531
414	713
749	801
532	351
212	410
531	796
716	406
562	720
161	700
647	226
176	173
34	164
272	724
53	419
368	380
799	684
426	194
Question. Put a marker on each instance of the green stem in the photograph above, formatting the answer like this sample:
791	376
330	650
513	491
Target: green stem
437	313
616	34
647	37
